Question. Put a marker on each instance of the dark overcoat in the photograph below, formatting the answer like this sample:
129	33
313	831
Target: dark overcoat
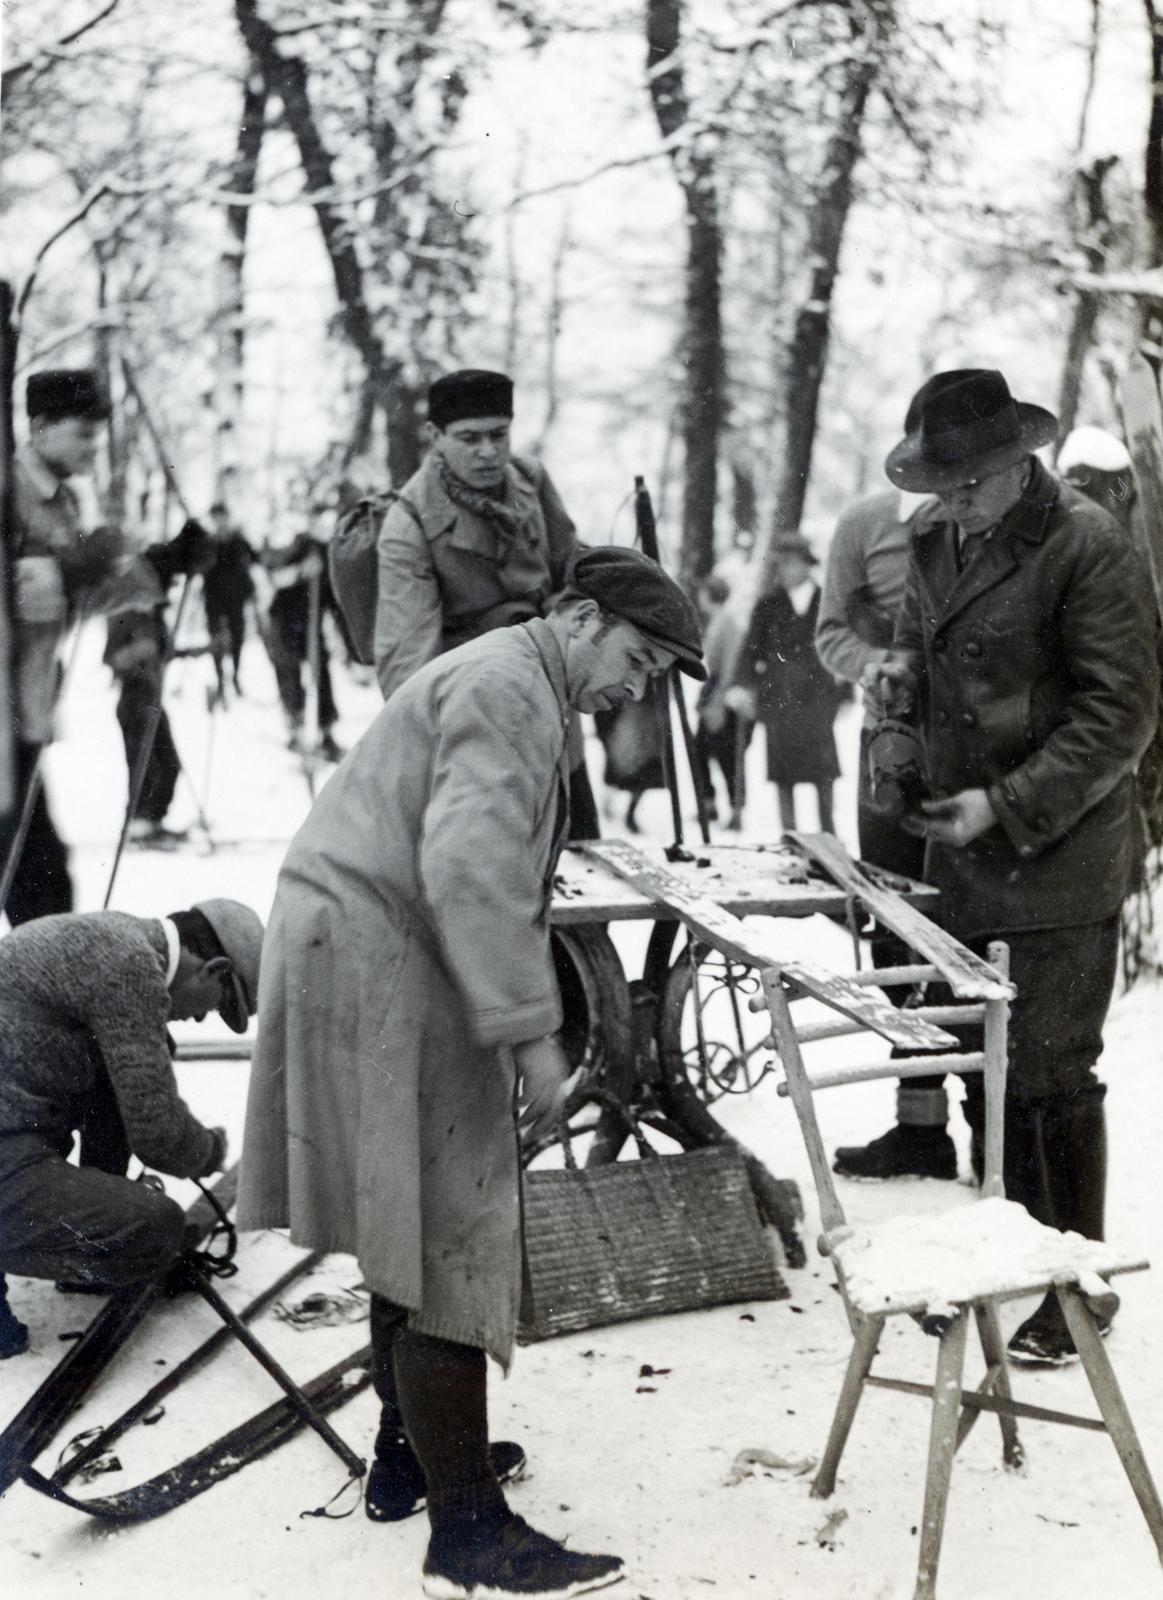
1038	682
796	696
407	952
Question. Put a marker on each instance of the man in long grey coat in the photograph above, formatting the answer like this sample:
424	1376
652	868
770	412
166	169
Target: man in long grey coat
409	1004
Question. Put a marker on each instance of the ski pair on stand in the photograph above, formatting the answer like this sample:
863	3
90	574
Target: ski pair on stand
41	1418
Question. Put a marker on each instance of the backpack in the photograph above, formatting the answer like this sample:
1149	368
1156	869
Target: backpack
352	568
352	564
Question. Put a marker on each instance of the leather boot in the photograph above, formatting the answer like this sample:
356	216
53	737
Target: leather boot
13	1333
918	1146
1073	1154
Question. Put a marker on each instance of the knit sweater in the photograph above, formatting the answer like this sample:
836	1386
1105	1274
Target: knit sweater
105	974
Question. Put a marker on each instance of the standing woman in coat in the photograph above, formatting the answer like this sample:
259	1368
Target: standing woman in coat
781	682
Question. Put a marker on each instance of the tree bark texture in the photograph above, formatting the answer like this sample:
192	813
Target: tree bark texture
230	328
703	408
286	76
1095	241
808	352
1153	164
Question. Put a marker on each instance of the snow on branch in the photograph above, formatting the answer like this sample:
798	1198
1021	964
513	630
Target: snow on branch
665	147
10	75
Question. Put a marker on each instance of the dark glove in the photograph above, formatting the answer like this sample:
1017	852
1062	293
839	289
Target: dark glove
218	1155
190	552
91	559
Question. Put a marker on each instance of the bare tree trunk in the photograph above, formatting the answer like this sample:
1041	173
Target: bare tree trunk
704	388
1152	325
229	375
809	345
286	76
1095	241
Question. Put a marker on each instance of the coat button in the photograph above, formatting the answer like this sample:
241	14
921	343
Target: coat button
973	648
968	720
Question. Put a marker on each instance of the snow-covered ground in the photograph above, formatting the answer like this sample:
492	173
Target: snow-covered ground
617	1462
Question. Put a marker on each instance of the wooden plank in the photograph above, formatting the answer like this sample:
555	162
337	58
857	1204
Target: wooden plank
969	977
753	947
750	880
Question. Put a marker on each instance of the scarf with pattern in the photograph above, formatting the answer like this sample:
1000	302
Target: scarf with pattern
496	512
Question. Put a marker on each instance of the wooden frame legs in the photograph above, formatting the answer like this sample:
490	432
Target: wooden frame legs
1113	1407
942	1447
866	1337
994	1350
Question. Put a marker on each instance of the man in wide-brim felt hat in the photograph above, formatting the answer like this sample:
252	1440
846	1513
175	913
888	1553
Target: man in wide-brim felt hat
1024	654
409	1002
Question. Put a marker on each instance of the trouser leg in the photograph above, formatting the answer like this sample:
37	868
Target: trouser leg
41	886
58	1221
442	1394
825	808
386	1321
786	796
328	713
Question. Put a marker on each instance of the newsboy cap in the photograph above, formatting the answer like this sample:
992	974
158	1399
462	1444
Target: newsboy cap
471	392
631	586
239	931
964	425
66	392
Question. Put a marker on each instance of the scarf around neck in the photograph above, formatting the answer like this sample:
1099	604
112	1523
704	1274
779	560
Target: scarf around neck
494	510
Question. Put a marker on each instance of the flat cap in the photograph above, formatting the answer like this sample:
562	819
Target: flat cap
239	931
471	392
66	392
631	586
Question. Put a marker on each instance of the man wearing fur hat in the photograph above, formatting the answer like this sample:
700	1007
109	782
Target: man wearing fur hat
85	1000
409	1006
477	539
1024	654
58	571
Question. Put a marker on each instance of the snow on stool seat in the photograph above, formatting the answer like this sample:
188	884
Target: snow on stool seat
987	1249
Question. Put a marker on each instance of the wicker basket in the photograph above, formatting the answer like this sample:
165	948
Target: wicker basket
640	1239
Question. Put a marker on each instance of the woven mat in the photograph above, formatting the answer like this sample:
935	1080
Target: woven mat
641	1239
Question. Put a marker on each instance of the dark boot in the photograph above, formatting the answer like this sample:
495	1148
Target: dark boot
918	1147
13	1333
1072	1153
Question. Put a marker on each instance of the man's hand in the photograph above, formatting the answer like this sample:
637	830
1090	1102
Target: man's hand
217	1159
891	687
741	701
546	1081
960	819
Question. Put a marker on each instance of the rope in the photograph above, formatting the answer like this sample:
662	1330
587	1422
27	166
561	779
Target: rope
223	1264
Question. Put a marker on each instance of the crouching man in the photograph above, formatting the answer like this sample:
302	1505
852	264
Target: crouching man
84	1003
409	1009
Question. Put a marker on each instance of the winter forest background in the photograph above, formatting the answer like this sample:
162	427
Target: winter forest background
718	242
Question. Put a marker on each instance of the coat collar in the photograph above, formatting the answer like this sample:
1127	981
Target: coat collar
44	483
440	511
1025	524
552	659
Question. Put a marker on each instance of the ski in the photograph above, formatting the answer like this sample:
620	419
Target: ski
166	1385
1143	421
42	1416
250	1441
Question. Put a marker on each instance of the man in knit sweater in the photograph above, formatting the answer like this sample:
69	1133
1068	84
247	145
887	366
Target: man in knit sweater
85	1000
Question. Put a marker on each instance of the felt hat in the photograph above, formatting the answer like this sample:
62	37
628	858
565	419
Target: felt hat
239	931
459	396
66	392
963	425
631	586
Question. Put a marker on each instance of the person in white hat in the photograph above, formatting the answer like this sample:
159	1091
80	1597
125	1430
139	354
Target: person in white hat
85	1000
